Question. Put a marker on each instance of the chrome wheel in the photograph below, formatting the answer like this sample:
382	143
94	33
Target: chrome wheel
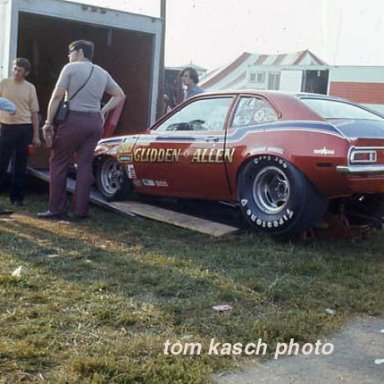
271	190
276	198
111	177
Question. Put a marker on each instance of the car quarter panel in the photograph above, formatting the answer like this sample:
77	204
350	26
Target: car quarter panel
314	148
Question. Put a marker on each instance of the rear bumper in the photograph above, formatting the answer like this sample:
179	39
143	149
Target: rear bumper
356	169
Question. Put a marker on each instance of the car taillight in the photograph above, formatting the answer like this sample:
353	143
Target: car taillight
363	156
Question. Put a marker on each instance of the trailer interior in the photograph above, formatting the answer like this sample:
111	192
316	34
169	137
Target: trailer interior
125	54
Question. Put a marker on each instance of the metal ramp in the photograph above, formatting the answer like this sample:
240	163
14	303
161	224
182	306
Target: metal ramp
133	208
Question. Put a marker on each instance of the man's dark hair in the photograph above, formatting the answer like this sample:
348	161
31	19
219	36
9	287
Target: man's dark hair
87	46
192	74
23	63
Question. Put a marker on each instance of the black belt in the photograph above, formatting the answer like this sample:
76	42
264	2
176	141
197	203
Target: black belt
84	113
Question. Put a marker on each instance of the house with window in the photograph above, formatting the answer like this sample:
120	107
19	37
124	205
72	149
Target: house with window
260	71
300	71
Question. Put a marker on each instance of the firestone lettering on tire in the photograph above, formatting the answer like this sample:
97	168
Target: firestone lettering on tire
268	224
269	158
283	212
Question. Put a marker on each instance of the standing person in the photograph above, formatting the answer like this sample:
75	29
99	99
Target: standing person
80	132
190	79
20	129
8	106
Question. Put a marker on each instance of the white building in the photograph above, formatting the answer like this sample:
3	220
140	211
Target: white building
300	71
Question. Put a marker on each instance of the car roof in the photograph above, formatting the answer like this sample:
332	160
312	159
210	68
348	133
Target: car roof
270	93
286	103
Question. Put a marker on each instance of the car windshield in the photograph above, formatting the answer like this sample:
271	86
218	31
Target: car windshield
335	109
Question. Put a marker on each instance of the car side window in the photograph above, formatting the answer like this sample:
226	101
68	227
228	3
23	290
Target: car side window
251	111
199	115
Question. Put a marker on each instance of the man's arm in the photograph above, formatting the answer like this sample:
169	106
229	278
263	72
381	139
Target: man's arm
35	123
57	95
117	97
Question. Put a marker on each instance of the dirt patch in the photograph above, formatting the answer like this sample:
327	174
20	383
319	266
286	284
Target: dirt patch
357	358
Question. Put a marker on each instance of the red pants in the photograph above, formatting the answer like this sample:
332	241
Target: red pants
78	134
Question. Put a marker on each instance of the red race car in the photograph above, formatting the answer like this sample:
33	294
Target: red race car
285	158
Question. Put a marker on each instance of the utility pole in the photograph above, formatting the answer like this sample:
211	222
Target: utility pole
160	98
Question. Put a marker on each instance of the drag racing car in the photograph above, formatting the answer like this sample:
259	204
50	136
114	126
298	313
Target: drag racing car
286	159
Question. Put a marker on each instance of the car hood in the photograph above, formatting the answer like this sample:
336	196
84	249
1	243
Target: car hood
365	129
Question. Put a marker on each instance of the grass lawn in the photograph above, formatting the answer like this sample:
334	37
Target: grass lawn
97	300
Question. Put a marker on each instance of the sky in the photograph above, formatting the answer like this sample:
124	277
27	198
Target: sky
212	33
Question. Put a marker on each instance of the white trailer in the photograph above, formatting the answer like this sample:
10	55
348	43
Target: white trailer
128	45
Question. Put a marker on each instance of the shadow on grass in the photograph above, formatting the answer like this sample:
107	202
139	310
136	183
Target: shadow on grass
112	277
186	273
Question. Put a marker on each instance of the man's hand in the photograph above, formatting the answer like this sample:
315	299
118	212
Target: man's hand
48	131
36	141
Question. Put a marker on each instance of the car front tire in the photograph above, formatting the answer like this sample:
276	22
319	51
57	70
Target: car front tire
111	180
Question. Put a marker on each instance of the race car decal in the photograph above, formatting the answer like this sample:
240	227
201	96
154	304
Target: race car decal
148	182
324	151
161	183
213	155
125	147
151	183
131	173
155	155
257	150
172	155
126	158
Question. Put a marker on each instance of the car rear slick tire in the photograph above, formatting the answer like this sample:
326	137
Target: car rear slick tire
111	180
277	199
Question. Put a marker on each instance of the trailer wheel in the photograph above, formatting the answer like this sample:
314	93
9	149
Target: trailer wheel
112	182
277	199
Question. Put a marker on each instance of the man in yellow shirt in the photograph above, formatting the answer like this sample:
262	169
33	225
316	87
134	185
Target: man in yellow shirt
19	130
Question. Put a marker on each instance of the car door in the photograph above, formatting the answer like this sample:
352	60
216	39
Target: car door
184	155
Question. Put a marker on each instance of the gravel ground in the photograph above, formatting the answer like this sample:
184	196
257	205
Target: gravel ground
357	358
